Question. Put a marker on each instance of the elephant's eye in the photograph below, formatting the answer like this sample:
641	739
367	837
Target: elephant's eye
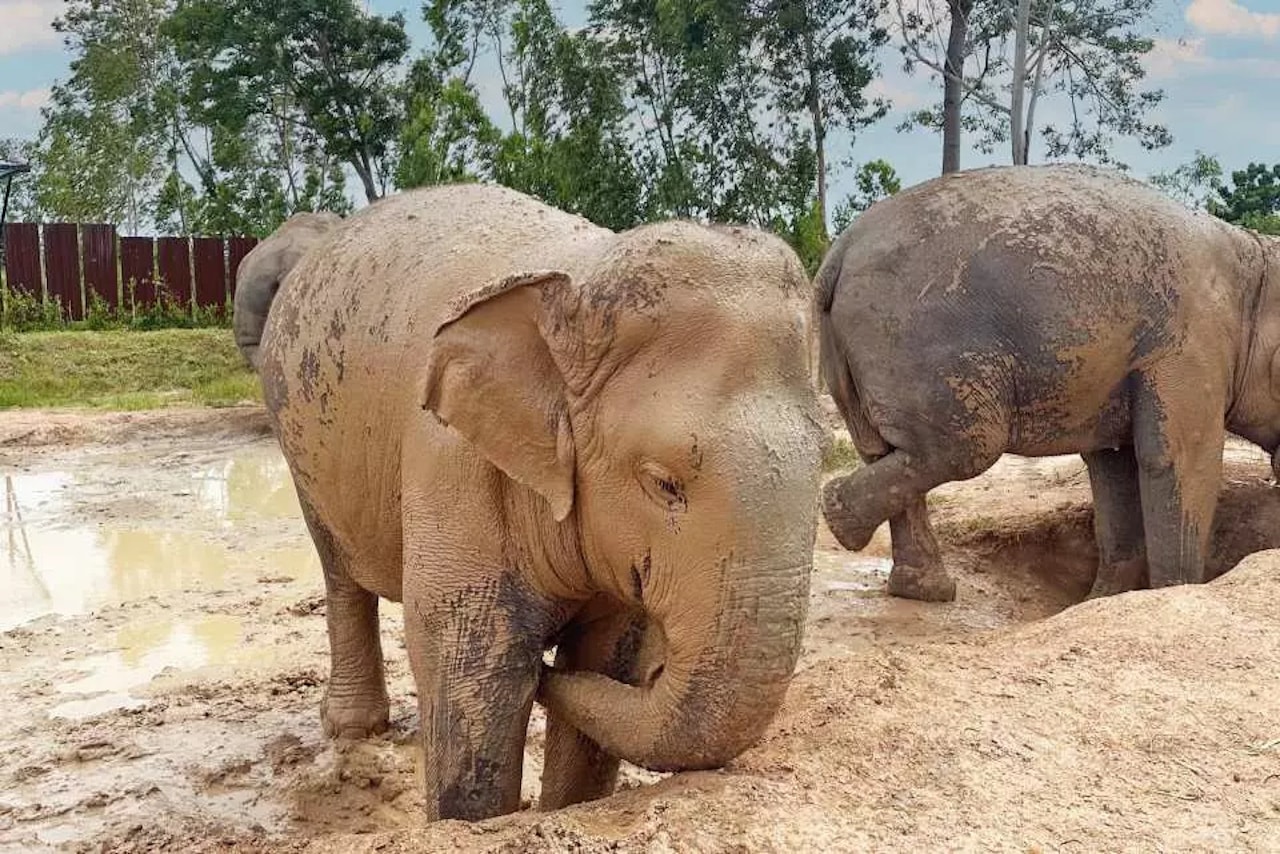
663	487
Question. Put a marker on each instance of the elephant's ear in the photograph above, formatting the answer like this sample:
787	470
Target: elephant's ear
492	378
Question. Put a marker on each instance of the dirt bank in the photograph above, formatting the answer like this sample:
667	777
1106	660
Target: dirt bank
162	651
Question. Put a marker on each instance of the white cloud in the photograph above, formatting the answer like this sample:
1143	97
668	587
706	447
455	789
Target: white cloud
904	92
1229	18
26	24
1171	57
32	99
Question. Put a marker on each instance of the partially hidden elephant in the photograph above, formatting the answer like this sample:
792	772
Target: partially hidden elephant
265	267
1047	310
536	432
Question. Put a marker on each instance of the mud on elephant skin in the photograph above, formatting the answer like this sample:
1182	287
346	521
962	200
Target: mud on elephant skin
264	269
536	432
1048	310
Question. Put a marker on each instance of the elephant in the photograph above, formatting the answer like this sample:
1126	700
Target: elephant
538	433
1047	310
261	271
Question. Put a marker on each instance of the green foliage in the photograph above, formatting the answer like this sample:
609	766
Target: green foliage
874	181
1252	199
1192	183
323	65
21	311
1087	55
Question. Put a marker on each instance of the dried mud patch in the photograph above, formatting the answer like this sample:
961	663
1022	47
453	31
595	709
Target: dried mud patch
185	717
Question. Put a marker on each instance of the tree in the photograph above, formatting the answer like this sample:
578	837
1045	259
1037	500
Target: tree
1087	53
1252	199
821	58
321	64
874	181
99	154
1192	183
446	136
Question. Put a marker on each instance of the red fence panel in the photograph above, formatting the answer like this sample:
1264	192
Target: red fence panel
98	244
209	254
62	266
22	257
174	255
237	248
138	265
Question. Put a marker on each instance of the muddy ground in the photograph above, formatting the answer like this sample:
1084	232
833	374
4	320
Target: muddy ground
162	652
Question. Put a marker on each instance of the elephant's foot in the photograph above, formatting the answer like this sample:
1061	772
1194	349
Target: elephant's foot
840	510
354	716
1119	577
922	584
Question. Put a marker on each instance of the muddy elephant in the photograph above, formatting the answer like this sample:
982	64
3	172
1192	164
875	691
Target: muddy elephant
536	432
1048	310
265	267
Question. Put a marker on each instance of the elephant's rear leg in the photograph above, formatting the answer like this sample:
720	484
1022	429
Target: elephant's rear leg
620	645
1117	521
893	488
355	699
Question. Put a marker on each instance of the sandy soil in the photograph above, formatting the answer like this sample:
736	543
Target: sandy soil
162	651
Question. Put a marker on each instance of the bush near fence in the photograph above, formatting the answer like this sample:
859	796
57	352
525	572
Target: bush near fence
84	274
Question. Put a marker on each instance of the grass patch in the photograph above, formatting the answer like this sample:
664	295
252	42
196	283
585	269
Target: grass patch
841	455
126	370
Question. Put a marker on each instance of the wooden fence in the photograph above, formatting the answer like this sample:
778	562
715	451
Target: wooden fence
70	262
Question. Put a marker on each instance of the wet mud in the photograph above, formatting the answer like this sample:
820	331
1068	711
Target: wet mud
163	651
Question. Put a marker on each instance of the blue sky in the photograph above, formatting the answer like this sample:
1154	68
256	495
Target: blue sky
1217	60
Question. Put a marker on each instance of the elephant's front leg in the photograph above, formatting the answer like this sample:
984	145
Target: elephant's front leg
475	644
618	644
1177	436
1117	521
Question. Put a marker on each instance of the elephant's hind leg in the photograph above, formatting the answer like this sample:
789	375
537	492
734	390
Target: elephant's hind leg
615	644
893	488
355	700
917	571
1117	521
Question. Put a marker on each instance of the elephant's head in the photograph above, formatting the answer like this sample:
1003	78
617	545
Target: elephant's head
262	271
659	398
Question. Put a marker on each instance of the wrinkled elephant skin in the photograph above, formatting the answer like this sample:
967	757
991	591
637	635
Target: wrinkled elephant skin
1048	310
536	432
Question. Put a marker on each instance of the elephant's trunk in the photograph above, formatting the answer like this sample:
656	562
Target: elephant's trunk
731	651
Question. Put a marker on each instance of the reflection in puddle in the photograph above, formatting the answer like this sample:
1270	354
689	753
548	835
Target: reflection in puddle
56	561
853	572
144	650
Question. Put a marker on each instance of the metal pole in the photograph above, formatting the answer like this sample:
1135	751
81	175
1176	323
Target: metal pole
4	215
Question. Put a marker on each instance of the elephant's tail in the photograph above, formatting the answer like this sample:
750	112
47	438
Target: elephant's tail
265	268
834	367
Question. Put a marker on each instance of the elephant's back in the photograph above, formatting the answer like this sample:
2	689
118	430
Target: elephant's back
1024	284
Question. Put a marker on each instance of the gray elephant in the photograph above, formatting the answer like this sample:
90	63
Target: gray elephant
536	432
265	267
1048	310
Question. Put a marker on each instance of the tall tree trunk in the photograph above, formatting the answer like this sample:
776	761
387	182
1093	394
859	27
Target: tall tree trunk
819	130
1017	128
953	84
365	172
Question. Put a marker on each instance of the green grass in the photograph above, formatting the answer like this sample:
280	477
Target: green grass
841	456
124	370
